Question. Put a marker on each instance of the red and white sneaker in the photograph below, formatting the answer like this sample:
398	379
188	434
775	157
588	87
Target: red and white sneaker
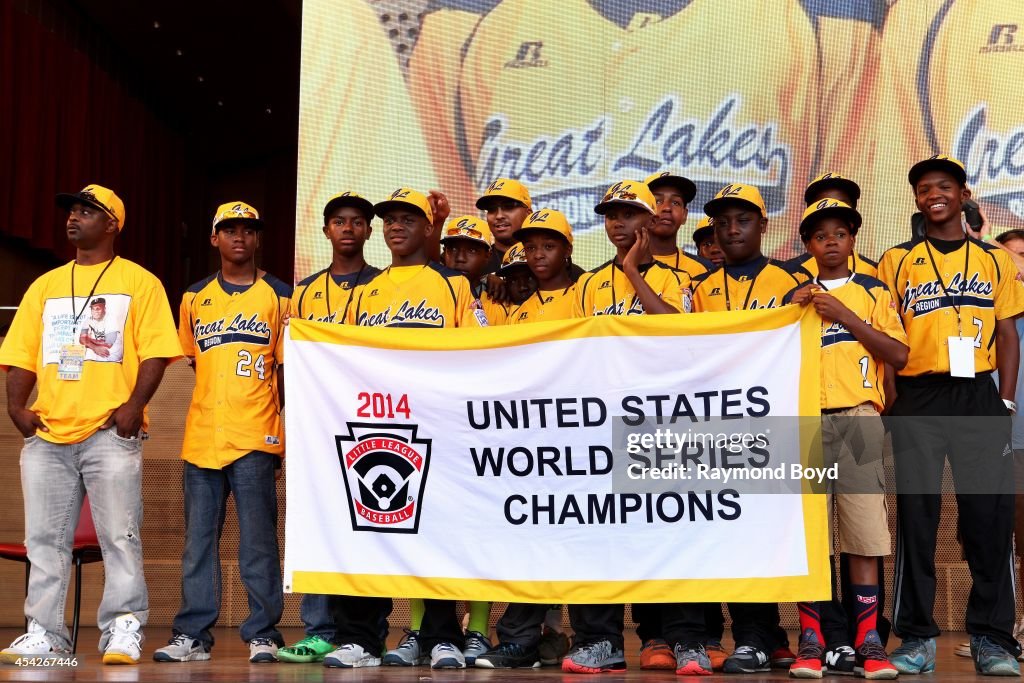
872	660
807	662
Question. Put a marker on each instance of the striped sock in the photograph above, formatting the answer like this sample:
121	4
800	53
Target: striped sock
810	618
865	600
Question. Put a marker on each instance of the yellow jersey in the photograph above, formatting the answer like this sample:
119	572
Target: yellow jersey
556	304
607	291
761	283
333	107
496	312
429	296
234	334
938	297
693	265
133	324
326	298
850	375
562	96
946	86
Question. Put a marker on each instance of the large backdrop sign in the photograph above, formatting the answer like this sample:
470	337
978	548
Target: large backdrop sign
591	461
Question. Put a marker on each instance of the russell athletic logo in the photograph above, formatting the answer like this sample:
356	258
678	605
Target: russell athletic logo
385	470
528	56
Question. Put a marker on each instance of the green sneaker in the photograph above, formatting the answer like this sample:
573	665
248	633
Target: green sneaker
309	649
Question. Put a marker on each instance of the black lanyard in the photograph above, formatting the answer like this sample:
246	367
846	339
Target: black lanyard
327	289
750	290
615	301
91	291
963	281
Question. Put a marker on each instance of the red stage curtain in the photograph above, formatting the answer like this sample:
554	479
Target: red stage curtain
64	123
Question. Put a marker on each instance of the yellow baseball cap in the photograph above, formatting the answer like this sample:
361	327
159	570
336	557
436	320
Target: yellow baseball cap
348	198
548	220
825	208
96	195
628	192
515	256
829	180
236	211
736	192
703	230
404	196
686	187
505	188
939	162
468	228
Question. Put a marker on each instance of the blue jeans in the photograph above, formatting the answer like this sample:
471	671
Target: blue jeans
318	614
250	479
54	477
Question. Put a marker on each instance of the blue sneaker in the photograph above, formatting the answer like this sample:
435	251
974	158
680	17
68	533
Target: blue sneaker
991	659
914	656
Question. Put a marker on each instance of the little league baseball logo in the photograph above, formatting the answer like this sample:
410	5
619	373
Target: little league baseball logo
385	470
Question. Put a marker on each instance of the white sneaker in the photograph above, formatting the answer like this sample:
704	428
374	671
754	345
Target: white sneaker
125	644
181	648
31	644
446	656
350	656
262	650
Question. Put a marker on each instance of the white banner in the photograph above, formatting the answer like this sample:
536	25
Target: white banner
516	464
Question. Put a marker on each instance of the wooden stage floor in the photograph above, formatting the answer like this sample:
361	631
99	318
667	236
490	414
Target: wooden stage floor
230	663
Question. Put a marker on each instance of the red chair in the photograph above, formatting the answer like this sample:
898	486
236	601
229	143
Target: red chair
86	549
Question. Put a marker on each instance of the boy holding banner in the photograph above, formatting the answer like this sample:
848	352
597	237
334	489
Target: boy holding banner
747	280
417	293
326	297
646	286
860	332
547	242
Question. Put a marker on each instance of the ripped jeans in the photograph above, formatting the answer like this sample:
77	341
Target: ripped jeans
54	478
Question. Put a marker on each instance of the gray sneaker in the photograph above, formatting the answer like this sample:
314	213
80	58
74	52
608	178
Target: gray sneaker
477	644
350	656
181	648
914	656
992	659
446	656
594	657
407	653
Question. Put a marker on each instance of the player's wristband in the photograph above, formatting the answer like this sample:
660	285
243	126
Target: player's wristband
1010	405
986	237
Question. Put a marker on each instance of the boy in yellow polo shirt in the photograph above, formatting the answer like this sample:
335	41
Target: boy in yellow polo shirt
231	330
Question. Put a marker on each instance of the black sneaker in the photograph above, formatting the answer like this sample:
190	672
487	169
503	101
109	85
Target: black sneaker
840	660
747	659
509	656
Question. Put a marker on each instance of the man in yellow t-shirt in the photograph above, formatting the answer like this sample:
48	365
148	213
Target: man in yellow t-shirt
83	435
